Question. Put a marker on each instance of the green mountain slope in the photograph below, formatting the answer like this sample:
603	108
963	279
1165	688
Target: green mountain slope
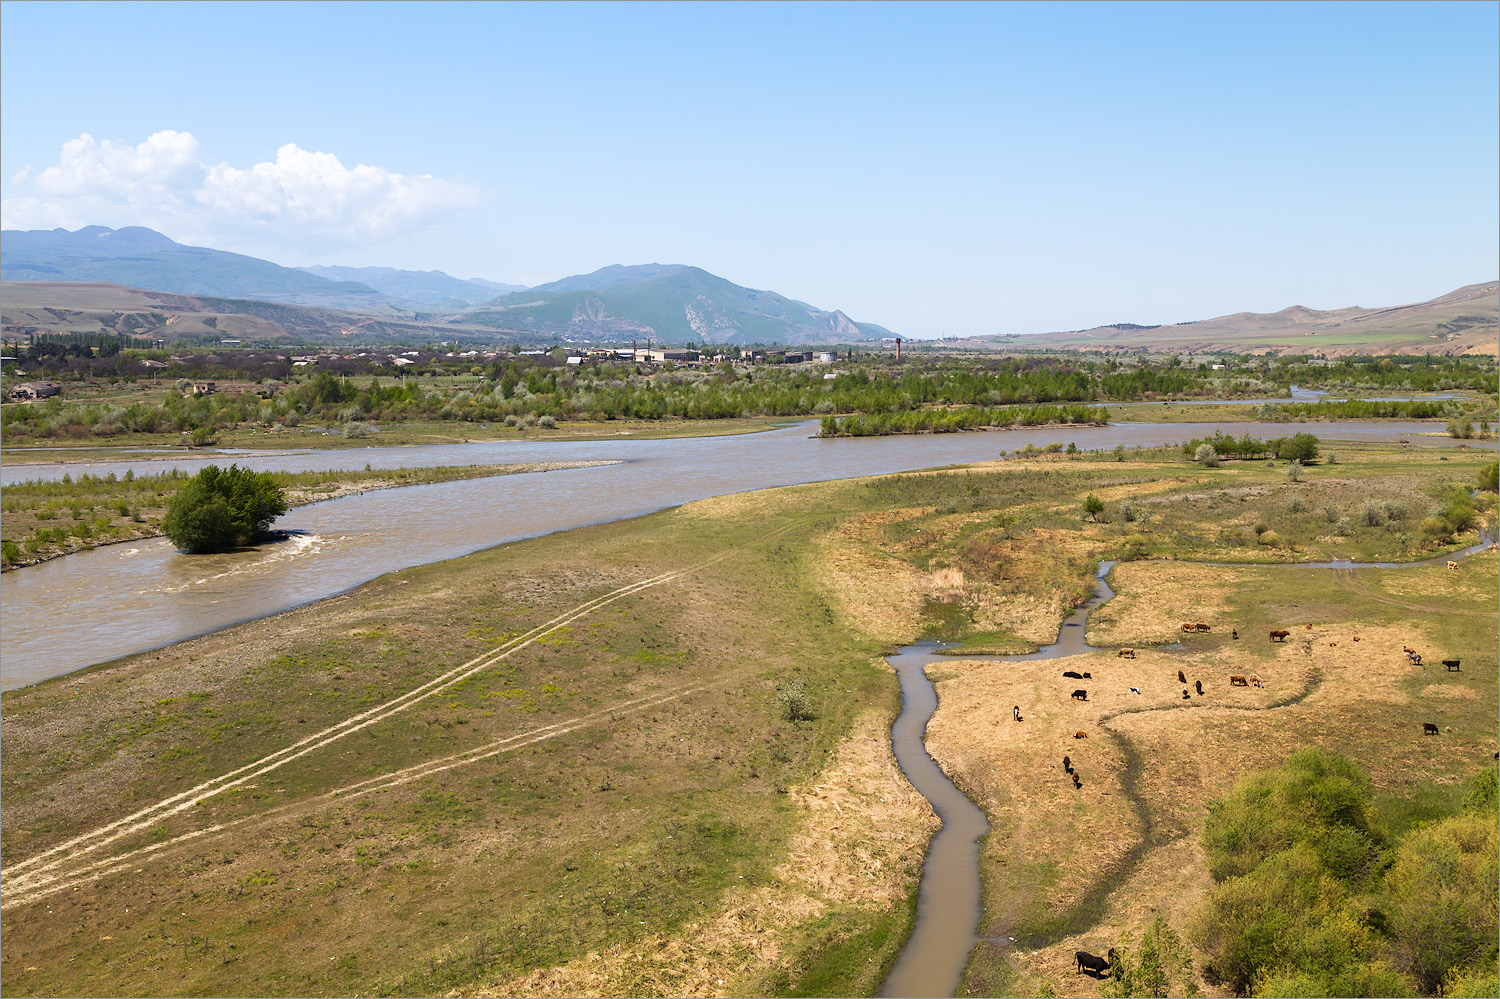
672	304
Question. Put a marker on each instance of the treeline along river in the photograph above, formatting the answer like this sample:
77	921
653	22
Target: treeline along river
120	599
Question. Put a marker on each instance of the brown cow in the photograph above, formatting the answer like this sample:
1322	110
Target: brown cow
1333	645
1280	636
1127	654
1234	633
1452	565
1202	628
1080	734
1308	627
1067	764
1255	679
1198	685
1235	680
1187	627
1180	677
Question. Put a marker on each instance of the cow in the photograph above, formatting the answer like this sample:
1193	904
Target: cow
1077	781
1187	626
1087	675
1180	677
1235	680
1080	734
1356	638
1452	664
1452	564
1416	659
1015	712
1067	764
1090	963
1202	628
1308	627
1080	695
1135	690
1333	645
1234	633
1428	728
1072	674
1255	680
1199	685
1185	694
1126	654
1279	635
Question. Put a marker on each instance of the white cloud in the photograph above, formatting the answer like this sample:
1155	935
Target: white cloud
164	183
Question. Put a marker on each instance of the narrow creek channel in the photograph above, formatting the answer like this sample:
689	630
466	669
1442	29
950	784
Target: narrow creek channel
948	903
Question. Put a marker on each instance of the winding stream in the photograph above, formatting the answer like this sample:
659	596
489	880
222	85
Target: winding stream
948	903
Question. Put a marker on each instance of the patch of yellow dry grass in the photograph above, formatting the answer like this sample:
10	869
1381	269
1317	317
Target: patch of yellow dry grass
862	842
1154	600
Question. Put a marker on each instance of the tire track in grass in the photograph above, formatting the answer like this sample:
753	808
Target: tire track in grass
21	874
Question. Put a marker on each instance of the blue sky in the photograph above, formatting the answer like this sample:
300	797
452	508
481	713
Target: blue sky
937	169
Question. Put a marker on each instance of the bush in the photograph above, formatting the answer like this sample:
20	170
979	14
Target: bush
1443	897
794	703
1206	456
220	509
1160	965
1294	470
1130	513
1460	428
1298	447
1093	506
1489	477
10	552
547	422
1271	539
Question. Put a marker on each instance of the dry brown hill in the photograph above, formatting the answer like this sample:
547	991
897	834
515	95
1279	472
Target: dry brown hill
1466	321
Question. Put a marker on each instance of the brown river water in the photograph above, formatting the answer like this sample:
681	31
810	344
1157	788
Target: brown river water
121	599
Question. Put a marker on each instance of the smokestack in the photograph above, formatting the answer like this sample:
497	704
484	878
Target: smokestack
632	352
898	349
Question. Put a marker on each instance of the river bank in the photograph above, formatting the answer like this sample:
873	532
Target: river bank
112	510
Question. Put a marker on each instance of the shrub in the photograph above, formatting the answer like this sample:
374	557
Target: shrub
1271	539
1093	506
1294	470
547	422
1130	513
1443	897
1298	447
1489	477
1206	456
1261	527
794	702
220	509
10	552
1296	504
1460	428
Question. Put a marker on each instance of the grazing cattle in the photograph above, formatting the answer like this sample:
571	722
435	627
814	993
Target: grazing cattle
1416	660
1255	679
1087	675
1185	694
1333	645
1077	781
1308	627
1356	638
1126	654
1080	695
1180	677
1199	685
1080	734
1091	963
1452	665
1280	636
1453	565
1135	690
1015	712
1072	674
1234	633
1235	680
1067	764
1202	628
1187	627
1428	728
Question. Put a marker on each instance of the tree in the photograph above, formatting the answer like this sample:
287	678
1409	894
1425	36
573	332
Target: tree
1302	447
220	509
1206	455
1093	506
1443	897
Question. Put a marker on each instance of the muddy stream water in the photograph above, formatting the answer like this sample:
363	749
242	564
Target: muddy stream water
948	902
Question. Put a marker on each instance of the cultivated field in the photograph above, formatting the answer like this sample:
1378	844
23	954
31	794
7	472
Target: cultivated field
651	757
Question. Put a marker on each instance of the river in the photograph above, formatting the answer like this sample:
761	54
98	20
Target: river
121	599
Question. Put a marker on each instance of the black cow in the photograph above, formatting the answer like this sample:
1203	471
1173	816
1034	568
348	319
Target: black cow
1080	695
1016	712
1452	664
1428	728
1091	963
1199	685
1234	633
1072	674
1180	677
1077	783
1067	764
1087	675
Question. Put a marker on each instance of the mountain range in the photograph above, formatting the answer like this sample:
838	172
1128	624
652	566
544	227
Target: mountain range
418	287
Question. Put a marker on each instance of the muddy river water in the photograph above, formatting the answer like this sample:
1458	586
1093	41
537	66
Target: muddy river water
120	599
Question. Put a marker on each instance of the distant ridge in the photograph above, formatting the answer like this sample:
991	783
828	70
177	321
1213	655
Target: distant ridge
144	258
418	287
1464	321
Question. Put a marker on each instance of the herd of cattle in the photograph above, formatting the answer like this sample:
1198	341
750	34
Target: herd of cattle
1235	680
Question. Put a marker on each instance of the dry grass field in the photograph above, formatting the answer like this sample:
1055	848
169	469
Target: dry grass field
565	766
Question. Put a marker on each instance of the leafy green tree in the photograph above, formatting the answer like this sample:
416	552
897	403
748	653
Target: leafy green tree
220	509
1443	897
1160	965
1489	477
1301	447
1093	506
